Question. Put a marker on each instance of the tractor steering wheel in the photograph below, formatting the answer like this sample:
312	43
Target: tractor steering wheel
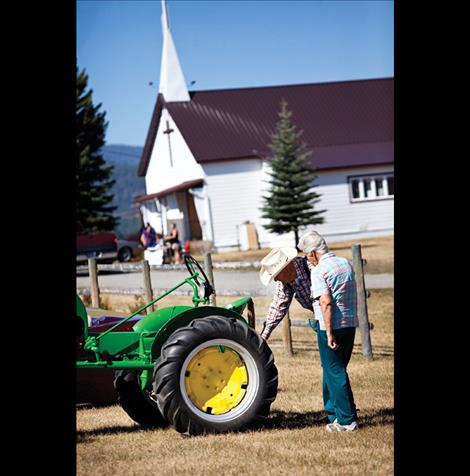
194	267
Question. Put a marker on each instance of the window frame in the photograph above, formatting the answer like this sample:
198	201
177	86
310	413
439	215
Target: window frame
361	187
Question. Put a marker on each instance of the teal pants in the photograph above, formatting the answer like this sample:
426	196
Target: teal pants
337	394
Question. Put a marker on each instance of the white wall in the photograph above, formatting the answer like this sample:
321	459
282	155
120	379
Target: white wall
151	213
345	220
235	189
160	174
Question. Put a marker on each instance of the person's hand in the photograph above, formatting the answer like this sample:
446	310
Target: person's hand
331	341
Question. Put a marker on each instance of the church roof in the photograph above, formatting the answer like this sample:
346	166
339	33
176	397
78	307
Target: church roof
356	117
177	188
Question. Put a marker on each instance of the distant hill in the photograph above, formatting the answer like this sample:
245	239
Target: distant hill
125	159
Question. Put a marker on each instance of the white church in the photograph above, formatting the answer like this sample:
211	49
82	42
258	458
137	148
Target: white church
204	156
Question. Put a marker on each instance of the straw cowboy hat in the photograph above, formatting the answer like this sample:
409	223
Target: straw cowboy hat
274	262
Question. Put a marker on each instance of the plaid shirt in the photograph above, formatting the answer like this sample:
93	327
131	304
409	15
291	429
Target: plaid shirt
335	276
300	288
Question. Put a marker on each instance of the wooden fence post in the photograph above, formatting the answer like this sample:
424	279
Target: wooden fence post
210	275
94	289
147	285
287	335
364	326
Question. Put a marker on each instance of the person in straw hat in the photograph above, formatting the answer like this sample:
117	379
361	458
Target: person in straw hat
292	275
324	284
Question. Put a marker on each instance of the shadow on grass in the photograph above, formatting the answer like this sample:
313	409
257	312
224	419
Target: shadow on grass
87	436
381	416
279	420
97	404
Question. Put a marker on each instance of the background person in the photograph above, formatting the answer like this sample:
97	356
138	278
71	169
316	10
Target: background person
148	236
173	240
292	274
335	305
156	254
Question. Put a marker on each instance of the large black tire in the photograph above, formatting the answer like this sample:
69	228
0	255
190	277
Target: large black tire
141	408
178	382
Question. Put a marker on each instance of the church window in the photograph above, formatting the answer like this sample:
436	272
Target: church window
371	187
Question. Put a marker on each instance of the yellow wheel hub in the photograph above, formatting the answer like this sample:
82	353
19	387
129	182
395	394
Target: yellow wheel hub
216	380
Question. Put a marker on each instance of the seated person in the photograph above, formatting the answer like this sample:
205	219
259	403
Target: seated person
155	254
172	239
148	236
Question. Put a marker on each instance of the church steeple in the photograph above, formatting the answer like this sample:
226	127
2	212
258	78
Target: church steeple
172	82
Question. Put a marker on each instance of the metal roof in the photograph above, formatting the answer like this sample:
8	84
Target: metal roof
231	124
163	193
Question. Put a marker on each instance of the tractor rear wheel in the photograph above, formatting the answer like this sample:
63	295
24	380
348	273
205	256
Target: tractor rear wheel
135	402
215	375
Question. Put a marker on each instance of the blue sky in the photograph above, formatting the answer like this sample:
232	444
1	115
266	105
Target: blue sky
225	44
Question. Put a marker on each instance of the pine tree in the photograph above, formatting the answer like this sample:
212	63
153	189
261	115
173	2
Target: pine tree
289	205
94	182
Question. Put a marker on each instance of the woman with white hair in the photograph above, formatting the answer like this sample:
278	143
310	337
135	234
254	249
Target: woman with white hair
324	284
334	295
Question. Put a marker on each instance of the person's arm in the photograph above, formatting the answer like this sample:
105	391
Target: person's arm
326	305
278	309
321	292
171	235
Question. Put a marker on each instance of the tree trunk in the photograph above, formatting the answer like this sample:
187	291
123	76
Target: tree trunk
296	235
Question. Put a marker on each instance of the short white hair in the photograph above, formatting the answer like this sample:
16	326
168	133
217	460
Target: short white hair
312	241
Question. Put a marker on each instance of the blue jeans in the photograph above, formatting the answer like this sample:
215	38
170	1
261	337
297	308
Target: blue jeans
337	394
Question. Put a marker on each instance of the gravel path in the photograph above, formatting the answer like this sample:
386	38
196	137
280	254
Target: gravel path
226	282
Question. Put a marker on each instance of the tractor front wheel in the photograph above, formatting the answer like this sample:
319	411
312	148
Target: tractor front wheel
215	375
135	402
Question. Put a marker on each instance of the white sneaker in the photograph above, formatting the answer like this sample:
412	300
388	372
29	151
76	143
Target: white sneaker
335	426
332	423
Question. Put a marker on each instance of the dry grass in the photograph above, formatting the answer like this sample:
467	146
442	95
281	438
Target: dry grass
377	251
294	440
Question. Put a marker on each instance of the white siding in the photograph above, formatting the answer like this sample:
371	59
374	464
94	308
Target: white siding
235	189
151	213
345	220
160	174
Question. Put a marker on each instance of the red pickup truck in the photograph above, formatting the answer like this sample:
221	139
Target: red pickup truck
99	245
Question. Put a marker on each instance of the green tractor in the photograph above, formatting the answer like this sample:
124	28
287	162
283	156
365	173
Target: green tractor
200	369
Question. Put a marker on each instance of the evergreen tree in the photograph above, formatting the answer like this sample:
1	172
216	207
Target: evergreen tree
94	182
290	203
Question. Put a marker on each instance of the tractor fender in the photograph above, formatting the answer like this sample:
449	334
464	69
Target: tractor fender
184	319
158	319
